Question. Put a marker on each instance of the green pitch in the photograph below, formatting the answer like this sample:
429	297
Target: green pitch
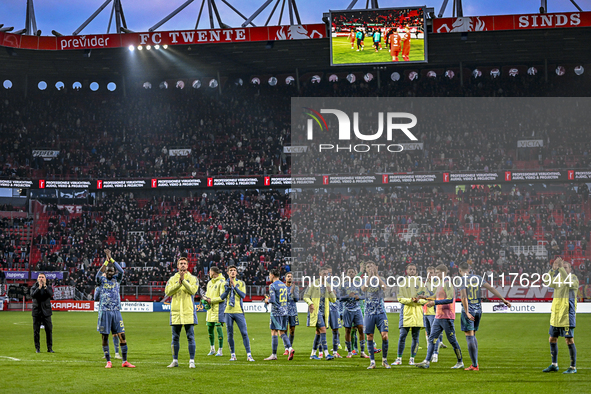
513	350
343	54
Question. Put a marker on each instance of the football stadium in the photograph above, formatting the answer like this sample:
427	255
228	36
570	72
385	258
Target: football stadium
295	196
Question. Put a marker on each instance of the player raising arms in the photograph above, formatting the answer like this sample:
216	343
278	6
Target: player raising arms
352	317
564	310
109	316
444	318
293	296
395	44
97	297
411	314
472	309
279	315
318	297
375	314
235	291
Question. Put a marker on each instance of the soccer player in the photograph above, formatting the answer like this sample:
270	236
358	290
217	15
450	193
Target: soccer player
182	287
406	44
411	314
472	309
279	315
375	314
97	297
234	292
109	316
318	297
215	315
334	320
359	37
428	294
352	318
444	318
377	40
293	296
352	38
395	44
564	310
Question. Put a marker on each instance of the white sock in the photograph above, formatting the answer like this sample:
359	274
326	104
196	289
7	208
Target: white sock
191	361
233	354
213	348
555	364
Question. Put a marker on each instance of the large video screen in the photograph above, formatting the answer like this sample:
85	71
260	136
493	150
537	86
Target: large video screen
379	36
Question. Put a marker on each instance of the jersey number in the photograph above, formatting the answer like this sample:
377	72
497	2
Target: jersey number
282	296
472	293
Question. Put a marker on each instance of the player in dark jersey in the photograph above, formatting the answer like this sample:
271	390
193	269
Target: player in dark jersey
97	298
109	320
375	314
359	37
472	309
377	40
293	296
351	296
279	314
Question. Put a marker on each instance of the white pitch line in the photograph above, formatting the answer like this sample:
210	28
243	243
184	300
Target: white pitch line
10	358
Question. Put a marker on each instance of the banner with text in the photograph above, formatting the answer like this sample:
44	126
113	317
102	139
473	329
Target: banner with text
530	143
186	37
511	22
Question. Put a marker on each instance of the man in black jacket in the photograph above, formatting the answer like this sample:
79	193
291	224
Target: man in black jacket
42	294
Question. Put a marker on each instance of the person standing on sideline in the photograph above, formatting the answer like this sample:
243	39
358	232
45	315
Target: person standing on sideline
42	296
182	287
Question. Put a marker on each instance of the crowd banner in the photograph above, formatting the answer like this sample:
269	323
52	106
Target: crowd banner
63	292
530	143
47	155
179	152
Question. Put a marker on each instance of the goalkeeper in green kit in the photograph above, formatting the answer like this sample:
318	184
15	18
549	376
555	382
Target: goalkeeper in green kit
215	314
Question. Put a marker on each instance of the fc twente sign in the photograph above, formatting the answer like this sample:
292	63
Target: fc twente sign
187	37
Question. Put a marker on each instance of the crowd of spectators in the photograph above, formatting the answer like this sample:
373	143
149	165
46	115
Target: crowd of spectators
243	131
494	231
148	236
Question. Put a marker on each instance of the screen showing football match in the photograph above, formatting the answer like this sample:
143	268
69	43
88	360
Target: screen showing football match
380	36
